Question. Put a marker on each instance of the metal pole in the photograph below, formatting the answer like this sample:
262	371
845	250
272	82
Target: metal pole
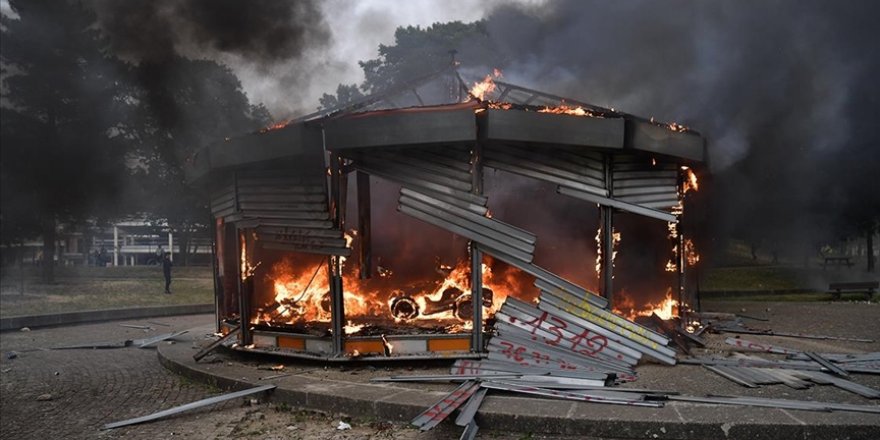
115	246
681	260
337	306
215	271
334	267
477	297
477	256
608	235
170	246
364	225
244	290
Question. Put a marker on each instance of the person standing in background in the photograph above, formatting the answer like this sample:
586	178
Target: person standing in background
166	270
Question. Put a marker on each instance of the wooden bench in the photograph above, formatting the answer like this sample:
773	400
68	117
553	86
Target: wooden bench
837	261
866	287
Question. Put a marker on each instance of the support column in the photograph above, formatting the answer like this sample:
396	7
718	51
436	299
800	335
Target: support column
245	289
115	246
681	258
337	304
607	237
364	225
477	256
215	274
170	246
334	266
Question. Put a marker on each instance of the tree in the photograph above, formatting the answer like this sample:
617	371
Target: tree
63	154
418	52
184	105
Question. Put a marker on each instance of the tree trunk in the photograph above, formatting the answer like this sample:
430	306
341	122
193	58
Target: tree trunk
49	250
870	246
183	234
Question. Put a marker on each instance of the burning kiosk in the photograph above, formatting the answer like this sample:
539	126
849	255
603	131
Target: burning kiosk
300	208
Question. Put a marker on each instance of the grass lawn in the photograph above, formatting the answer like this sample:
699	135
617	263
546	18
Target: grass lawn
90	288
755	278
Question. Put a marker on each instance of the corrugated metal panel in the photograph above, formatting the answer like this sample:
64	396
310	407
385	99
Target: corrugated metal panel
640	181
562	166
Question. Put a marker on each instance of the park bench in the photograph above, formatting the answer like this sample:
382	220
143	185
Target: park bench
837	261
866	287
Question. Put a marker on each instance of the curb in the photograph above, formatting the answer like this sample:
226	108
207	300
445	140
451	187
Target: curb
519	414
68	318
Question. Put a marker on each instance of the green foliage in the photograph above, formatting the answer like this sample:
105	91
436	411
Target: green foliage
418	52
62	149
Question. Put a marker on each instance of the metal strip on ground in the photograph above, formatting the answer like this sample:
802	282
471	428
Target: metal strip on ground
189	406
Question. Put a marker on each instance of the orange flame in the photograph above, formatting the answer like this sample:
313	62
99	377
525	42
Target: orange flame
666	309
482	89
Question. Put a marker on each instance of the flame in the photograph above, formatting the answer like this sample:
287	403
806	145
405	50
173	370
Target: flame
566	110
275	126
615	241
690	181
350	329
674	126
666	309
482	89
301	293
690	253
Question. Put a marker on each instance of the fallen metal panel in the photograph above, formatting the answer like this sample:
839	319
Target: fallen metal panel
623	206
439	411
189	406
402	127
721	371
467	228
480	210
281	222
445	377
467	413
779	403
517	347
558	129
143	343
504	228
579	396
544	275
526	339
793	335
213	346
661	353
582	339
579	306
470	431
485	366
827	364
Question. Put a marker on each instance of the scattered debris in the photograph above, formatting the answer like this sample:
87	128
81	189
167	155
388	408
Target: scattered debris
278	367
97	345
11	355
44	397
144	343
213	346
189	406
159	324
140	327
439	411
342	426
25	329
275	376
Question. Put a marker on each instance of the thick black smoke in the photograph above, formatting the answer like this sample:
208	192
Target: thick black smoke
786	92
259	31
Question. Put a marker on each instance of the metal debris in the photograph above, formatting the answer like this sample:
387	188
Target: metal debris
213	346
439	411
827	364
144	343
189	406
140	327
